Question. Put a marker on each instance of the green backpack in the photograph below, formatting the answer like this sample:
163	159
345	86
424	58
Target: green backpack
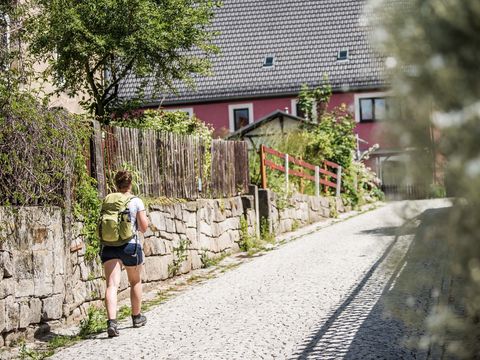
115	226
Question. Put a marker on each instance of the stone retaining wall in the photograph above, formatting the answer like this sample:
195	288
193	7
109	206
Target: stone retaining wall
45	279
289	213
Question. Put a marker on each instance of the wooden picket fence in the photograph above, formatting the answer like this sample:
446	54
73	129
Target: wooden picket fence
328	174
170	165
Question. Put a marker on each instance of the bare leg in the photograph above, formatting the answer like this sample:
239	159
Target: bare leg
113	271
134	278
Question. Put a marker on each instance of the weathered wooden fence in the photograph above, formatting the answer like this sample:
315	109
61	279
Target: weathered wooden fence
323	175
171	165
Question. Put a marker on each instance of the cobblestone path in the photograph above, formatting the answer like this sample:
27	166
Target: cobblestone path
316	297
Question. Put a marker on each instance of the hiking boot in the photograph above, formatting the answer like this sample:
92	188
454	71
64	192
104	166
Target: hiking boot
139	320
112	329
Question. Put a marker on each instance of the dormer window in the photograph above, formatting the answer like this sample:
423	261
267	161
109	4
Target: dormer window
269	61
342	55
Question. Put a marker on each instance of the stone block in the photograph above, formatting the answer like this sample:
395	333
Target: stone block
207	243
84	272
233	223
196	260
205	228
224	242
157	221
24	315
170	225
52	307
325	202
235	248
148	233
154	246
2	341
44	271
59	284
7	287
205	211
79	294
6	264
340	206
234	236
178	211
190	219
192	237
35	306
325	212
219	213
13	338
156	267
12	314
3	316
180	226
185	266
24	288
237	206
76	315
168	247
190	206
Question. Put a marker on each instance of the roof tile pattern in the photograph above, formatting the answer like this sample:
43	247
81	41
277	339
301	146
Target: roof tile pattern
304	36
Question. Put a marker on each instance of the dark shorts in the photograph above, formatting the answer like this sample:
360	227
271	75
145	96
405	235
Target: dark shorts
130	254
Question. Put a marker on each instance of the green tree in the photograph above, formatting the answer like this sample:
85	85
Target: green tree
92	45
432	49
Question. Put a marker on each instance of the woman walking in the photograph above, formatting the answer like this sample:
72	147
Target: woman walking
122	216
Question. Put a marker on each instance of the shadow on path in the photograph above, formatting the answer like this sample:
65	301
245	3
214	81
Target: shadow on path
383	317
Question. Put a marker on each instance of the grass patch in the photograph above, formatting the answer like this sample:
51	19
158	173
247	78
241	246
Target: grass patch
265	233
94	323
208	261
161	297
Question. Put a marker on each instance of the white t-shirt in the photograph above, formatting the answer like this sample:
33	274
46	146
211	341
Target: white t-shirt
134	206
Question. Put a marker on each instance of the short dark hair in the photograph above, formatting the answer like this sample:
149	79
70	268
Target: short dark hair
123	179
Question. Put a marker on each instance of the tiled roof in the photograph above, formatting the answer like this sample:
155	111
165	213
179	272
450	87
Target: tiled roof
304	36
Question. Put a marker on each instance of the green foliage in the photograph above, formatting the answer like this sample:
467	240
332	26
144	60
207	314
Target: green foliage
433	48
247	241
61	341
178	122
211	261
265	233
332	138
313	103
179	256
87	210
98	43
95	322
295	225
38	148
437	191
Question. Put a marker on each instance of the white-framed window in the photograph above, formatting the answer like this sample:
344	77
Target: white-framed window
370	107
296	111
189	110
240	115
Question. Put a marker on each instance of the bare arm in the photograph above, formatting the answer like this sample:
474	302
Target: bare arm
142	221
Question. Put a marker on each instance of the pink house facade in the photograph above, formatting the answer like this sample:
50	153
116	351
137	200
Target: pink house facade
221	115
268	50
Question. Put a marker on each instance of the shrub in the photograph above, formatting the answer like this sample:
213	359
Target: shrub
40	150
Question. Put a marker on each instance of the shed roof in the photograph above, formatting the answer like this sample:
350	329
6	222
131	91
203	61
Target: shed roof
266	119
303	36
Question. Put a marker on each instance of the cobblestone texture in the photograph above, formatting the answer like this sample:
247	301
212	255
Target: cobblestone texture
316	297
